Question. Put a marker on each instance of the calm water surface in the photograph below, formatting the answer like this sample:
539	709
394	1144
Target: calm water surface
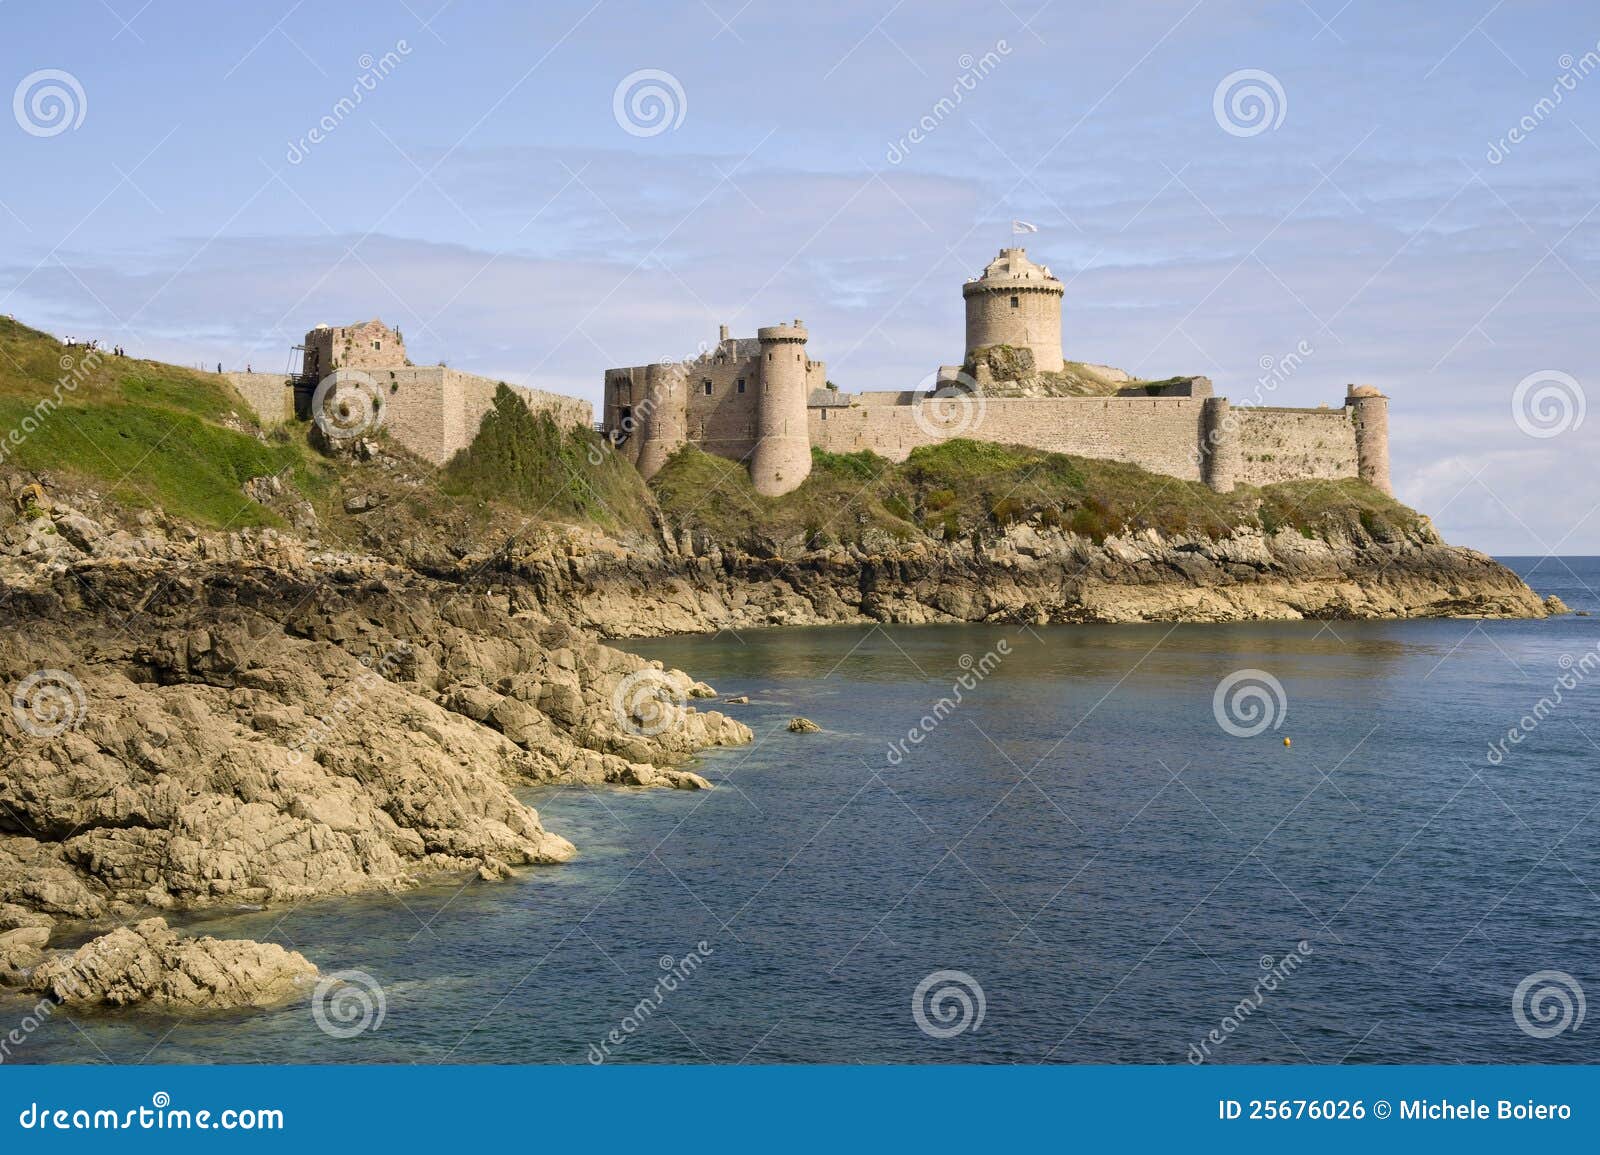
1079	835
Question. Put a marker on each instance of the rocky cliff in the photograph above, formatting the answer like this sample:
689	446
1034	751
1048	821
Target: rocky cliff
206	718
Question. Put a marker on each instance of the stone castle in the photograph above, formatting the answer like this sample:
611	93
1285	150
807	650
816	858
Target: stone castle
764	402
357	379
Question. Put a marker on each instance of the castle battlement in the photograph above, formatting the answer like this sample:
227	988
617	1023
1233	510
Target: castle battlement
765	403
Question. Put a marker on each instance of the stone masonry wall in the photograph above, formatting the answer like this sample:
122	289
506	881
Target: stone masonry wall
1161	434
435	412
1286	444
269	395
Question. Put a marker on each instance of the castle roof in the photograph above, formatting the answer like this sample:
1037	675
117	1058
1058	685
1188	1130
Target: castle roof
1013	266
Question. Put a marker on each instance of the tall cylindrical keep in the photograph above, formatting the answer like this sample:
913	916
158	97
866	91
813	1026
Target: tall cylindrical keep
1219	444
662	417
1369	410
1017	303
781	459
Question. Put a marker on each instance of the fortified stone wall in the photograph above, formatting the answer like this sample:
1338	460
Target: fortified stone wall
435	412
270	395
1161	434
1286	444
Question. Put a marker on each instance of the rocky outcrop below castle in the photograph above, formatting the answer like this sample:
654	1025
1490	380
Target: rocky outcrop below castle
216	720
1026	573
227	722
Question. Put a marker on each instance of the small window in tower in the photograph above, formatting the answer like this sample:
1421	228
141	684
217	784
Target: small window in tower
377	344
706	384
797	356
741	384
1016	302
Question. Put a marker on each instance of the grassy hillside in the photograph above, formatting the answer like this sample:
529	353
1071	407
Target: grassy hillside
961	487
149	435
146	434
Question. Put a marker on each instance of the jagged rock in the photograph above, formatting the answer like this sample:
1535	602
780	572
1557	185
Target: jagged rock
738	700
148	963
1555	606
798	725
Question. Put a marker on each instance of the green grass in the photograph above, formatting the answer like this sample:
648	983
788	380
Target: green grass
522	459
961	488
146	433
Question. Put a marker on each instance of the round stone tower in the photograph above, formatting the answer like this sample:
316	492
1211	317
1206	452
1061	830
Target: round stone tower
1369	409
782	456
662	418
1219	444
1018	303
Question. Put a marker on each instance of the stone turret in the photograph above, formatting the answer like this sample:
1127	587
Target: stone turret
781	459
1219	444
1018	303
661	418
1369	409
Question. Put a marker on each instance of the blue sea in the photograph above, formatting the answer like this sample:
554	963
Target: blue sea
1019	845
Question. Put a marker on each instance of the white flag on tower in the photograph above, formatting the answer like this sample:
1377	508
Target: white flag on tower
1020	227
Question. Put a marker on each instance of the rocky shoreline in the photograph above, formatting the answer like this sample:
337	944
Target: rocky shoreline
243	718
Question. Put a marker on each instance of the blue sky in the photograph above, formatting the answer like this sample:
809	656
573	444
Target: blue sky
484	196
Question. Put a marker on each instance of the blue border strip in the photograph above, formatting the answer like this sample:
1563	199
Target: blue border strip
799	1108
